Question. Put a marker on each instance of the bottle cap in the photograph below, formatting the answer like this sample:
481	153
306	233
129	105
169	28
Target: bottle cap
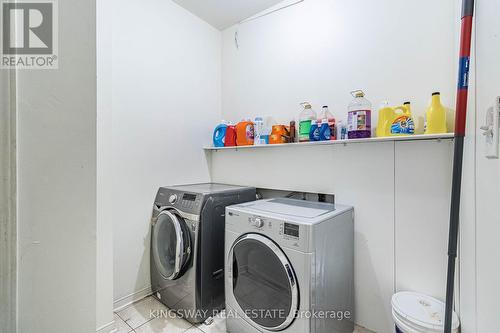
358	93
436	93
325	106
324	121
406	103
306	105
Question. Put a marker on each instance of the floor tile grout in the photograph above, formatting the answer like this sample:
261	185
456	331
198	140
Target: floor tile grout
116	313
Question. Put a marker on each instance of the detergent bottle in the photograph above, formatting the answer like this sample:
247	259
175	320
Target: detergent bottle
259	136
332	123
230	139
245	133
395	121
435	117
314	131
219	137
325	133
359	122
305	118
403	124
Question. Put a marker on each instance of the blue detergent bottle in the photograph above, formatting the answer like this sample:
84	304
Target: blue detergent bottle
325	132
219	137
314	131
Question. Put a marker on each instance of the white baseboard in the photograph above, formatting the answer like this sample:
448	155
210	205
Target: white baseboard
108	328
123	302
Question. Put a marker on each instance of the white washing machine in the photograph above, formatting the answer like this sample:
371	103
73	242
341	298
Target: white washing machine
289	267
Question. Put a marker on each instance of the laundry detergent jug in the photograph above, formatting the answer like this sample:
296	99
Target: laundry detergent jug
279	135
395	121
230	139
219	137
245	133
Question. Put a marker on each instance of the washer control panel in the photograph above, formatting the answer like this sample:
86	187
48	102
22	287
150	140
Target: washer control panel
289	234
184	201
172	199
288	231
257	222
189	200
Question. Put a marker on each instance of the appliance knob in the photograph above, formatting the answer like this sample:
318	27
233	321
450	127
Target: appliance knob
259	223
173	198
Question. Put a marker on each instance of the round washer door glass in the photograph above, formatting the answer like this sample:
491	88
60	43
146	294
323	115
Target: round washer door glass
263	282
171	245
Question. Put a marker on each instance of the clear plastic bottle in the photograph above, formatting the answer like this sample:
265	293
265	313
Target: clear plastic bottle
359	124
306	116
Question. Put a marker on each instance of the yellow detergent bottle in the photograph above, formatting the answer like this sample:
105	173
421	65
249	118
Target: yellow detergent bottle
436	116
395	121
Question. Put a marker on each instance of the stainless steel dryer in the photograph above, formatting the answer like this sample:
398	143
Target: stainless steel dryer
289	267
187	246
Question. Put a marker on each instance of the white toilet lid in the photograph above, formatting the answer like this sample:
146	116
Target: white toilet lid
422	310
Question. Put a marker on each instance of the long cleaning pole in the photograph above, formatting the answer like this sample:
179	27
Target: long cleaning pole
461	118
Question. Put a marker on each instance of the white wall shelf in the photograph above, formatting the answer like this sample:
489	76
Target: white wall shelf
421	137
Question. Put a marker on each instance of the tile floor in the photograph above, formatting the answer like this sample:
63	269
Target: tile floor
140	318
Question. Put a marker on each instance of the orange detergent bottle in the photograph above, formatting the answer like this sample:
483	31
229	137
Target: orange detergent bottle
245	133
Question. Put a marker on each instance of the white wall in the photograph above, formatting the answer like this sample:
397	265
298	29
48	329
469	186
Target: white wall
166	99
104	269
57	182
488	171
319	51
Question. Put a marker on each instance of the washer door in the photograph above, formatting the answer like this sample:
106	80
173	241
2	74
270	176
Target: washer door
263	282
171	245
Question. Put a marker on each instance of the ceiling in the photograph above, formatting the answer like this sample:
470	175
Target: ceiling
224	13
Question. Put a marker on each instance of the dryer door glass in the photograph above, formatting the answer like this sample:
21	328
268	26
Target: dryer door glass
264	284
171	245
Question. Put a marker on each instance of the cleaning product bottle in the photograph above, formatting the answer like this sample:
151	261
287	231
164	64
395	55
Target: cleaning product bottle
245	133
403	124
230	140
269	122
314	131
395	121
435	117
326	114
325	131
259	138
341	131
293	130
219	137
305	118
359	123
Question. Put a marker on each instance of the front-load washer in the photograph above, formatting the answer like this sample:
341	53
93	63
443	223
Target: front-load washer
289	267
187	246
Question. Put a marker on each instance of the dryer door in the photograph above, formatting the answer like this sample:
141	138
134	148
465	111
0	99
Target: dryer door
264	283
171	245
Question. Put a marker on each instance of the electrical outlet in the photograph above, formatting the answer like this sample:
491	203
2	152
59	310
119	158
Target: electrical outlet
491	130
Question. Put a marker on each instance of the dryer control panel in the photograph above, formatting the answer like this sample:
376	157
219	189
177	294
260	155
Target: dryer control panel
287	234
